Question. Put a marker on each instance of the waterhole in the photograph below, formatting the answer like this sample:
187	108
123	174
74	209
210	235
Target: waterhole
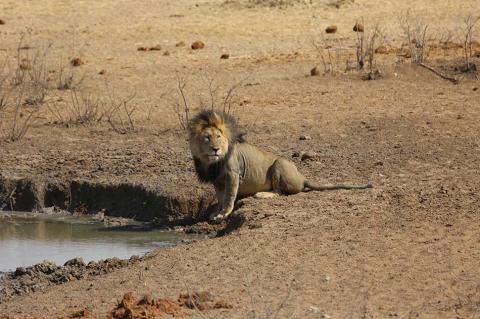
26	240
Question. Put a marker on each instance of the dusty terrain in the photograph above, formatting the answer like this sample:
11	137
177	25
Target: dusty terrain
408	248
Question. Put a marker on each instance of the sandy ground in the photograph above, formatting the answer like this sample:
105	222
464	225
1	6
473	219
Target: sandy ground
408	248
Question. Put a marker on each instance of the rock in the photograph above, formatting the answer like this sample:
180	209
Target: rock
76	62
197	45
46	267
20	271
331	29
358	27
166	53
297	154
2	21
310	155
75	262
315	71
143	49
180	44
102	72
314	309
382	50
157	47
225	56
305	137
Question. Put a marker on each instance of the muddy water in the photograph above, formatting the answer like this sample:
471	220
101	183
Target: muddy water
26	240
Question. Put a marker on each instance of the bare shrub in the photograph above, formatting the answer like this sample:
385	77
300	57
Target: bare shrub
225	102
469	28
181	107
67	77
329	56
17	125
365	46
81	108
119	111
32	72
415	31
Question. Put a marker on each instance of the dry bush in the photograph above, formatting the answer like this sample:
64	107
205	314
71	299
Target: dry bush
330	57
15	126
365	45
81	108
469	29
119	111
15	117
416	35
216	97
31	71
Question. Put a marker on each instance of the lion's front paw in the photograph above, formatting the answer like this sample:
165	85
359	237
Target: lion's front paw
216	216
220	215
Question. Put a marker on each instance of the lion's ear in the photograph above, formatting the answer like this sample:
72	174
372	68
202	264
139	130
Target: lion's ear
216	120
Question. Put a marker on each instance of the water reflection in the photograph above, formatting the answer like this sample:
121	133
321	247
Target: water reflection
26	241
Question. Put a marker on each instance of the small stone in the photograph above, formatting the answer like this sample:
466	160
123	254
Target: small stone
2	21
197	45
315	71
225	56
331	29
157	47
143	49
76	62
166	53
382	50
305	137
358	27
102	72
314	309
309	156
180	44
20	271
75	262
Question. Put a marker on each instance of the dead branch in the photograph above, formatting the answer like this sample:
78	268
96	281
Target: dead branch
451	79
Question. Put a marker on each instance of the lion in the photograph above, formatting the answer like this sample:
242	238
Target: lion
238	169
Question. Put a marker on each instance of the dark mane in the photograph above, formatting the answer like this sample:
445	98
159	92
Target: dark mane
204	119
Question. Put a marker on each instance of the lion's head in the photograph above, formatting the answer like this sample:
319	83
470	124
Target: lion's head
212	136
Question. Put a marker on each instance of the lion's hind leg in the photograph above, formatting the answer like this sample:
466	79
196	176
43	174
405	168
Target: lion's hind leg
286	178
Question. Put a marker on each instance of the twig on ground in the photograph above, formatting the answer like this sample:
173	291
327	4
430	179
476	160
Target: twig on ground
451	79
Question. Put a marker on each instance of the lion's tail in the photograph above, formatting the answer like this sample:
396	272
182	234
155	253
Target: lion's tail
309	186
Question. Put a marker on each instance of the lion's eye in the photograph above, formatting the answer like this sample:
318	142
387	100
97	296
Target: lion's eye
218	135
207	138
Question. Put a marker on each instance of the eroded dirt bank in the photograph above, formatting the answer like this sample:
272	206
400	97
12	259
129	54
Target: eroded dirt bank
117	200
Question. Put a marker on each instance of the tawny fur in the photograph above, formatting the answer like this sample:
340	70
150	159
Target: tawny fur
238	169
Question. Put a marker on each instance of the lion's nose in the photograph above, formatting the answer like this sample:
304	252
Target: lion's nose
215	149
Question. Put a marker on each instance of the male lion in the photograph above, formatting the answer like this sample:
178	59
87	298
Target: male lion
236	168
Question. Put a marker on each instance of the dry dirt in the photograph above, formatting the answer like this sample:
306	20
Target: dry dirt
408	248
